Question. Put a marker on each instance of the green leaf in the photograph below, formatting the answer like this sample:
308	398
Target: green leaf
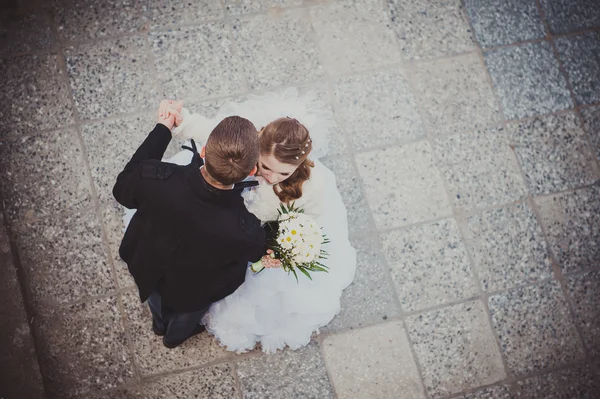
305	272
295	275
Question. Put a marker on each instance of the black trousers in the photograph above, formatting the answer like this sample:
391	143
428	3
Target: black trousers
177	326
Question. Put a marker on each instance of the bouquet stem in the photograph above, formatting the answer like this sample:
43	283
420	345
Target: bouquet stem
257	267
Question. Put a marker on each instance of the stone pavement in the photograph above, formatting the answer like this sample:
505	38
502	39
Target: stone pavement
467	151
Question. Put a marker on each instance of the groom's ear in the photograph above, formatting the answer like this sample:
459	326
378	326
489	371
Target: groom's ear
253	171
203	152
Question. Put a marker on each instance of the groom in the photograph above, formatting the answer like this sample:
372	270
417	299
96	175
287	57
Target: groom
191	238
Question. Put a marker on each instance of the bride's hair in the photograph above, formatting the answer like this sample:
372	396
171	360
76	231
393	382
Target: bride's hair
289	142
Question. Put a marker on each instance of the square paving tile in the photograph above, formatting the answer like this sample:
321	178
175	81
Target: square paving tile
497	23
554	153
584	293
89	19
508	247
64	258
374	362
591	119
480	169
456	349
20	33
382	115
196	351
111	77
455	95
169	12
572	222
370	299
214	382
36	95
285	374
403	186
579	55
528	80
574	382
565	16
429	265
83	347
237	7
197	62
43	174
430	29
493	392
354	36
535	328
277	49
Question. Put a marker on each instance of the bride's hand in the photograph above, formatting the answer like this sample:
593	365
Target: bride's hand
269	262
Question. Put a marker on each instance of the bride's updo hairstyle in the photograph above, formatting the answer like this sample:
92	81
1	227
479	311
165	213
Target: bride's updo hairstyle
289	142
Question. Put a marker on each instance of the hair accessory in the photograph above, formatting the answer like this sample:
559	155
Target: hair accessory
297	158
303	152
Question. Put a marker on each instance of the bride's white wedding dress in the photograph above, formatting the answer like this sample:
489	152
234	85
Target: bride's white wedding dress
271	307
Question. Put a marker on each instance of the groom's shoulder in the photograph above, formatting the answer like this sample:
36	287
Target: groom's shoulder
155	169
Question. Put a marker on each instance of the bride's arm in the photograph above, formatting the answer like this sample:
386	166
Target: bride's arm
194	126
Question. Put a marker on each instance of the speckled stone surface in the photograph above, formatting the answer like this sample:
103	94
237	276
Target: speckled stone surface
571	15
42	174
455	95
413	193
498	23
211	382
535	328
554	153
151	356
455	348
508	247
64	258
28	32
197	62
574	382
584	293
493	392
377	109
572	222
430	29
277	49
354	36
371	298
591	120
169	12
36	95
373	362
528	80
429	265
236	7
111	77
480	169
83	348
579	57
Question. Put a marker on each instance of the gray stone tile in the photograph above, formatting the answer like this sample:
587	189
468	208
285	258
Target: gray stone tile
571	15
199	350
111	77
572	223
579	55
456	349
455	95
498	23
554	153
64	258
277	49
373	362
89	19
429	265
211	382
370	299
36	93
83	347
169	12
480	169
119	393
584	293
508	247
382	115
403	186
535	328
197	62
591	120
354	36
493	392
19	33
285	374
349	183
430	29
237	7
528	80
579	382
43	174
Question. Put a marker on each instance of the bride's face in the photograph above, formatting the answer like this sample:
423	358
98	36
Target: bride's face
272	170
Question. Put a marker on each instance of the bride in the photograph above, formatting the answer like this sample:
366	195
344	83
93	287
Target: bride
272	307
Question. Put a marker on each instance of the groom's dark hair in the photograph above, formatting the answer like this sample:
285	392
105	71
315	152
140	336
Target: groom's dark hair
232	150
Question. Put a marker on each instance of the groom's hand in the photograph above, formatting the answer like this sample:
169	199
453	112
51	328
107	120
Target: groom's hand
169	113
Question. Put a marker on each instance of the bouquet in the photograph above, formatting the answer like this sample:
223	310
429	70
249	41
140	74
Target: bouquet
298	243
